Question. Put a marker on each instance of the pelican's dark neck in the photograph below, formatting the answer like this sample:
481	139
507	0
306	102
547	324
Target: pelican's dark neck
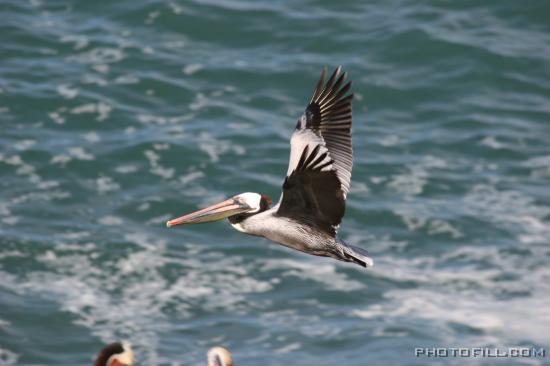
241	217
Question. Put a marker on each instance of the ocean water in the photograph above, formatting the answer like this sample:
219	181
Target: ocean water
116	116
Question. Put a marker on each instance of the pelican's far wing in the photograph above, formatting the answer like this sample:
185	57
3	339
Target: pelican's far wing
319	171
327	121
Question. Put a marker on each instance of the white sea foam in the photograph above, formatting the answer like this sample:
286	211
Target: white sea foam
126	169
106	184
10	220
94	79
215	147
92	137
199	102
151	16
156	168
23	168
24	144
79	153
86	291
101	68
127	79
175	7
67	91
390	140
320	270
501	322
191	176
61	159
288	348
146	118
57	116
110	220
540	166
100	55
472	295
102	109
192	69
510	207
79	41
492	142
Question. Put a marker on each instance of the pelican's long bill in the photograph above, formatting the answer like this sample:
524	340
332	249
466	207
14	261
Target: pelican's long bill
216	212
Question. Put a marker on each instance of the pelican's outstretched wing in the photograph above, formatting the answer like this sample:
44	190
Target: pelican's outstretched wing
319	171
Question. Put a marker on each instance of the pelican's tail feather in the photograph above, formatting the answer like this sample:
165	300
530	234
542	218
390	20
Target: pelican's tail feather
351	253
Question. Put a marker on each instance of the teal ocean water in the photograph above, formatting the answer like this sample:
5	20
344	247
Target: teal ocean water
118	115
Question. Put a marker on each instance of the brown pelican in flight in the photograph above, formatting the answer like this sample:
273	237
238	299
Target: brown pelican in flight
313	200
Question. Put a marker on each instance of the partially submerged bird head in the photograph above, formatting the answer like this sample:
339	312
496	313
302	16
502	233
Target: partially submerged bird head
239	206
219	356
115	354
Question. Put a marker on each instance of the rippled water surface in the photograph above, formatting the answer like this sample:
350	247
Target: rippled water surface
118	115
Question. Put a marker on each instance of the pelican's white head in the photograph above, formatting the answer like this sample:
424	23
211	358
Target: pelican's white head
251	199
219	356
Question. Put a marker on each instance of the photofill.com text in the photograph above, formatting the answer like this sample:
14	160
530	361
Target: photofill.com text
442	352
